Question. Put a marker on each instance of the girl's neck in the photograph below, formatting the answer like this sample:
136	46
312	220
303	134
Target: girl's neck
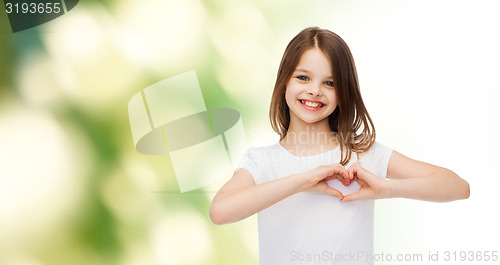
308	139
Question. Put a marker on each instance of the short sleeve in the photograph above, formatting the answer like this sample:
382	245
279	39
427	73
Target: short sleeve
249	162
377	159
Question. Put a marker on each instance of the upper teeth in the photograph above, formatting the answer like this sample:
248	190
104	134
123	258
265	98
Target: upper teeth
311	104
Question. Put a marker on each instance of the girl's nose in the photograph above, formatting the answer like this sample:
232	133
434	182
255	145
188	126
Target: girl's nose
313	90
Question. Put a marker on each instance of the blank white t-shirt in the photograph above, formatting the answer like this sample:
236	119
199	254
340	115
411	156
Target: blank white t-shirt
310	228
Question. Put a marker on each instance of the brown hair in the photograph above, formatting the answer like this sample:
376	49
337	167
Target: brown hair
350	114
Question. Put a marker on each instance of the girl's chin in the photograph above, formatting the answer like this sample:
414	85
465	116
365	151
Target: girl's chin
311	120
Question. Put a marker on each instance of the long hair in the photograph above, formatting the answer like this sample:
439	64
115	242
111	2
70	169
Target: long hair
350	121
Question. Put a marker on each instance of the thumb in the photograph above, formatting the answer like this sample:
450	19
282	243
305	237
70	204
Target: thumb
334	192
352	197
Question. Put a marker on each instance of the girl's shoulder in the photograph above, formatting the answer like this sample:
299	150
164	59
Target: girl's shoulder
264	150
378	147
376	159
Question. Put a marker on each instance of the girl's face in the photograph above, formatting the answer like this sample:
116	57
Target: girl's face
310	92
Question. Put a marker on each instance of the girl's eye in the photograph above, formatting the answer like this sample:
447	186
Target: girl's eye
303	78
329	83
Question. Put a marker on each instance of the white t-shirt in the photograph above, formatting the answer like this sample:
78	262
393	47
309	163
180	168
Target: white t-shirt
310	228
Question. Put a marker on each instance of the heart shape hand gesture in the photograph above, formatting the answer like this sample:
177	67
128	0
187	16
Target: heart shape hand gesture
372	186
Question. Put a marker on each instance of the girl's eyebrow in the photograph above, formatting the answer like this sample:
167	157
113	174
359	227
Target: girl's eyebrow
307	72
302	70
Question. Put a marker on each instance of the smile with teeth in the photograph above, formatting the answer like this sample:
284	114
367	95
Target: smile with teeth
311	104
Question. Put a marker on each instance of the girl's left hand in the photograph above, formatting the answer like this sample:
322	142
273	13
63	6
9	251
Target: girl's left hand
372	187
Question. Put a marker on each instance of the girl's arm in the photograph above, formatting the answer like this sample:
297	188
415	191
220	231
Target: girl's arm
422	181
240	197
409	179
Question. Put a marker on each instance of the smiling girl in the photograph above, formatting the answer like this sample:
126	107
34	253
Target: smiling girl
314	190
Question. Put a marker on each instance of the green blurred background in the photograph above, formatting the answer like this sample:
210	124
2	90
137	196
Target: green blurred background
73	190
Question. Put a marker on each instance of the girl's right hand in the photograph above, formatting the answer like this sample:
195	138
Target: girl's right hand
317	177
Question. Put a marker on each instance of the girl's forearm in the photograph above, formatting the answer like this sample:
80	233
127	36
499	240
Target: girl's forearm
238	204
442	186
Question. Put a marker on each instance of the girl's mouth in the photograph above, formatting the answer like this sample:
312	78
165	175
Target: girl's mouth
311	105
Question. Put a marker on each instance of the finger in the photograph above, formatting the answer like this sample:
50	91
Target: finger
339	177
334	176
339	169
346	182
334	192
325	188
361	173
352	197
352	166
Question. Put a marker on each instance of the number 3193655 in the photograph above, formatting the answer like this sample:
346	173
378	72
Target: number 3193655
33	8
